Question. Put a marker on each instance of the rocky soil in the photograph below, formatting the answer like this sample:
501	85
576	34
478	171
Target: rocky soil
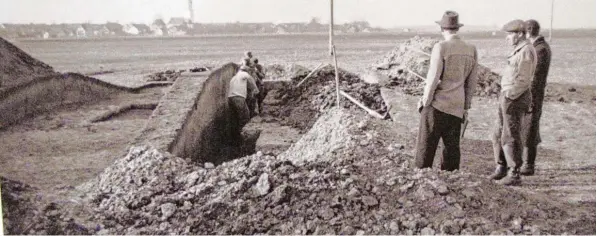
359	184
299	105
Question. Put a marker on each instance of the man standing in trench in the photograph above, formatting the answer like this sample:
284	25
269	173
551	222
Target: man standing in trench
242	85
448	93
514	102
260	75
530	121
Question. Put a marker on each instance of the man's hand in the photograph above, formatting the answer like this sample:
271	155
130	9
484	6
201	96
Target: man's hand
420	105
465	116
530	110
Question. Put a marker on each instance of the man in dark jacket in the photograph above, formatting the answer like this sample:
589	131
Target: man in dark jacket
530	123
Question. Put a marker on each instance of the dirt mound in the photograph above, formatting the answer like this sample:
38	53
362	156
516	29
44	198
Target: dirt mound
300	106
18	67
148	192
413	55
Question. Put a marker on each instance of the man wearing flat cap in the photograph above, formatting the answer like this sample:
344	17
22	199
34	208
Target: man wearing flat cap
447	96
514	101
530	122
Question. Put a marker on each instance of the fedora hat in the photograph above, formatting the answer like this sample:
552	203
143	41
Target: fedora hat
449	20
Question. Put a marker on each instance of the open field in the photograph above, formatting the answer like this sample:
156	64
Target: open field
573	57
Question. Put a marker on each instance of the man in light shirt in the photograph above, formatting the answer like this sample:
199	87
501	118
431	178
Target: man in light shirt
514	102
449	89
242	86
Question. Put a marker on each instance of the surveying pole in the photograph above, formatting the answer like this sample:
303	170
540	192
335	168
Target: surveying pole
551	21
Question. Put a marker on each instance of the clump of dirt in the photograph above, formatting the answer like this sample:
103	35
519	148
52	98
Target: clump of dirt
300	106
18	67
355	189
168	75
285	72
413	55
23	213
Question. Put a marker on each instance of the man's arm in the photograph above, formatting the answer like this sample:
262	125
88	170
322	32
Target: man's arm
436	67
252	86
526	66
471	83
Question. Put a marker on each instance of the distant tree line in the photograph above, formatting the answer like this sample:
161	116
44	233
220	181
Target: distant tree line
176	26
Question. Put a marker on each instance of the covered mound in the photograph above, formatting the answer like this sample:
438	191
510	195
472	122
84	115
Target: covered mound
413	55
18	67
360	187
300	106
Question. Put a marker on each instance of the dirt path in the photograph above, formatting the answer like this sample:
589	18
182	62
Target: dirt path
566	160
60	150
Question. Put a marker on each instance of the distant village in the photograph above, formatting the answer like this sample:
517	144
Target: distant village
176	26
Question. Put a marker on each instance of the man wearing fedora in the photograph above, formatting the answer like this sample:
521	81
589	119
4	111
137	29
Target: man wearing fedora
447	96
514	101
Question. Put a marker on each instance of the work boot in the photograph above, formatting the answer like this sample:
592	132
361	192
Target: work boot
528	156
499	173
527	170
513	178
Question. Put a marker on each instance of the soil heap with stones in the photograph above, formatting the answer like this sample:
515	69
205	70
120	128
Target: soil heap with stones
18	67
345	176
413	56
300	104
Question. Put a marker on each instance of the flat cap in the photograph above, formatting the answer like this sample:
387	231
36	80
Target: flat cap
514	26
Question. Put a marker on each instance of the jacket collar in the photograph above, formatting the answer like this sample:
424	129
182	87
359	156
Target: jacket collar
519	46
538	40
452	36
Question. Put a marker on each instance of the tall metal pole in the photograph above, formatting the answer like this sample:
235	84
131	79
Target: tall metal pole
331	26
551	21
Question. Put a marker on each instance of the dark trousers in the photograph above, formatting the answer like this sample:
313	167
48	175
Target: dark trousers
434	125
239	116
507	141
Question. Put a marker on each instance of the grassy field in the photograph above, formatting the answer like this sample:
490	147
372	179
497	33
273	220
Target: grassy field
573	55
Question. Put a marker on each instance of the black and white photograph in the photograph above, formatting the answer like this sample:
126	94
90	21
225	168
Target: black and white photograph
295	117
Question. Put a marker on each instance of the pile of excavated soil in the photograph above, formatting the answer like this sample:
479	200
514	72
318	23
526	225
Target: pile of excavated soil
300	106
18	67
411	55
360	187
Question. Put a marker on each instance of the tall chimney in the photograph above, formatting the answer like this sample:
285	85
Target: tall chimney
192	15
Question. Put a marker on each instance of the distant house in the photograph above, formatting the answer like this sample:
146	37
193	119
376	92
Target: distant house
80	32
2	26
406	30
57	32
143	29
285	28
46	35
281	29
351	29
114	28
130	29
178	21
158	28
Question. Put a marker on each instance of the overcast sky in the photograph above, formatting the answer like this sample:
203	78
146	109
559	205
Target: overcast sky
384	13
